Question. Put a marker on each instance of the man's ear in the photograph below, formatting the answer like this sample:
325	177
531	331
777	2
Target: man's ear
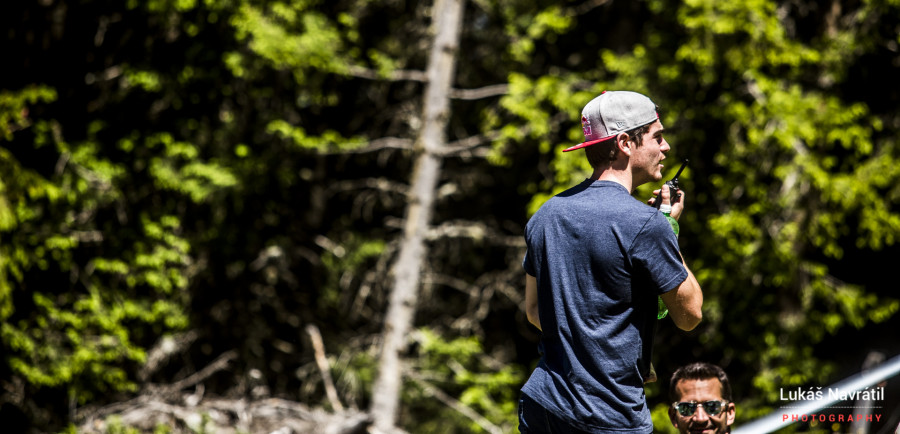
673	417
624	143
731	410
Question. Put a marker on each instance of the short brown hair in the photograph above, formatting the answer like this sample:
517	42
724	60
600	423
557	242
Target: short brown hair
700	371
602	153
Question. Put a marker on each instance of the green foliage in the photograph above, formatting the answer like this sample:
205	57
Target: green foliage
14	107
114	425
328	141
127	277
354	374
527	23
535	103
294	37
460	368
177	167
661	422
345	264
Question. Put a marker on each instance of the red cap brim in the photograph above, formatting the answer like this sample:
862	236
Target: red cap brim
586	144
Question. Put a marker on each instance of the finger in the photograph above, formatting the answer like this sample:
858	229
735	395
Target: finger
666	197
652	199
679	198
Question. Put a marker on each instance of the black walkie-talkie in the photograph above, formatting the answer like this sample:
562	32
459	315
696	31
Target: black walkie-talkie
674	194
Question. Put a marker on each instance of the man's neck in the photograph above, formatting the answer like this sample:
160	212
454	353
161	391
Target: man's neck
609	173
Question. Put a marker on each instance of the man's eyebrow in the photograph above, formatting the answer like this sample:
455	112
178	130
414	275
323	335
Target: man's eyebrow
659	132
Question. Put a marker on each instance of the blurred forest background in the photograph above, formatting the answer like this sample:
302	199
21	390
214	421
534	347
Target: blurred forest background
257	214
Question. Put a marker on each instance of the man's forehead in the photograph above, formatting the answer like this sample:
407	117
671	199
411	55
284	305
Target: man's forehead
699	389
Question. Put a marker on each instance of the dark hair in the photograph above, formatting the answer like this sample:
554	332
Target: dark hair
602	153
700	371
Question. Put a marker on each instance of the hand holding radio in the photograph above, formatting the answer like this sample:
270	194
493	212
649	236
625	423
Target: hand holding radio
674	190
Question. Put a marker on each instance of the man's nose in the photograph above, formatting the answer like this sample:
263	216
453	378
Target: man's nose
700	415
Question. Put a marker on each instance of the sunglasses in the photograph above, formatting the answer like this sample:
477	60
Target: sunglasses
713	408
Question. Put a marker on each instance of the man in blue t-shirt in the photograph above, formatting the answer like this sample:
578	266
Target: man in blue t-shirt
597	261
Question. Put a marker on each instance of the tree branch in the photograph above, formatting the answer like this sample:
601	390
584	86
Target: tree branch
479	93
587	6
152	393
457	406
217	365
163	350
324	370
469	144
396	75
474	230
384	143
380	184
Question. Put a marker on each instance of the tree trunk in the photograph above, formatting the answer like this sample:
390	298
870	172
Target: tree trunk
446	22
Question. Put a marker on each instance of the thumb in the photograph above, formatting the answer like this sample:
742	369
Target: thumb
665	195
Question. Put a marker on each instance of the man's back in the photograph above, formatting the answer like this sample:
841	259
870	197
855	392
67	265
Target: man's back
601	258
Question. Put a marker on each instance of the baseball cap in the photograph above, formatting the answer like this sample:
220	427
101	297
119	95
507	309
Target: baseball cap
612	113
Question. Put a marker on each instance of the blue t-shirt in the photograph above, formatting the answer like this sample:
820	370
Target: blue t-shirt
601	258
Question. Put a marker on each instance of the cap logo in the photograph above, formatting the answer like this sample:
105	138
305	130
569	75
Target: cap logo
620	125
586	126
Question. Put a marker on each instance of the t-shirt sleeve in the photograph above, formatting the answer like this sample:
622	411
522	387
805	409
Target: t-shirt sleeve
655	253
528	263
